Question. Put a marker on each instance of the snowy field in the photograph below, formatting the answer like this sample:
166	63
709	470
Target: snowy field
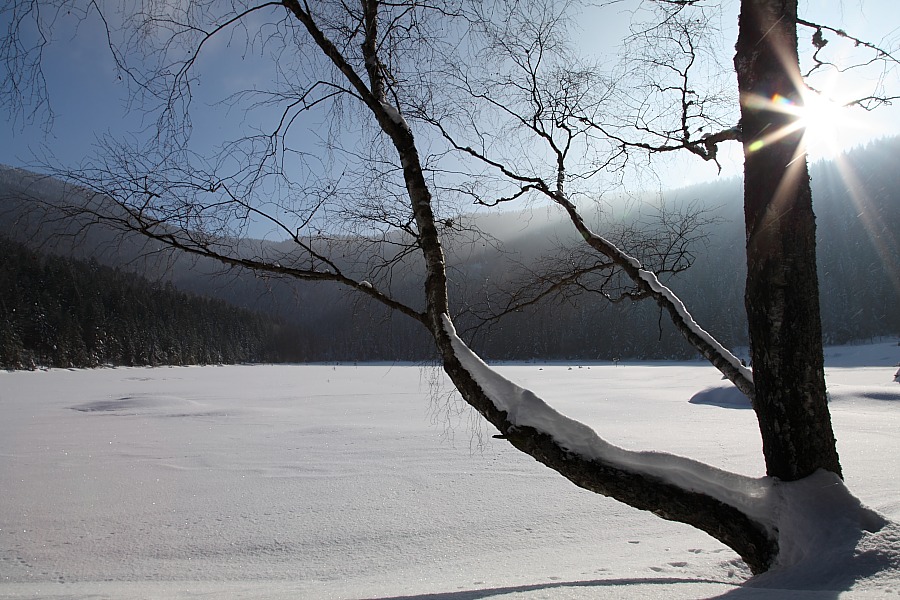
368	482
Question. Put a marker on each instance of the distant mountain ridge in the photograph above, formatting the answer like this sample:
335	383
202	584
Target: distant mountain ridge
857	202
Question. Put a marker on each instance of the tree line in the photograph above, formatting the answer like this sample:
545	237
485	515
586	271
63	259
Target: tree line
858	269
858	264
60	312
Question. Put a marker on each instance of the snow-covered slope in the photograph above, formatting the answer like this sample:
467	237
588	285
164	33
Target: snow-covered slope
365	482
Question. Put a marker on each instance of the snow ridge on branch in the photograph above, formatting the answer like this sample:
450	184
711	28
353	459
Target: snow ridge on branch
657	286
524	408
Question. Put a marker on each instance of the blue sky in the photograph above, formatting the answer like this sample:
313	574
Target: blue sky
89	100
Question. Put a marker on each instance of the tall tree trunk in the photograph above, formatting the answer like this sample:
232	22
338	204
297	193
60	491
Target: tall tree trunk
782	295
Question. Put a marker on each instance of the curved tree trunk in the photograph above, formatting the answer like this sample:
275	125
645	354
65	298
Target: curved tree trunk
751	539
782	294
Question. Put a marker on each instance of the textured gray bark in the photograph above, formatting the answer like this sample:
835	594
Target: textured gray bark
782	294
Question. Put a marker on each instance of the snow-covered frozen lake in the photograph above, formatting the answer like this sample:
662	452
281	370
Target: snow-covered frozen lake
367	482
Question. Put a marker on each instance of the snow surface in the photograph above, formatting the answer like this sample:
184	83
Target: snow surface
368	482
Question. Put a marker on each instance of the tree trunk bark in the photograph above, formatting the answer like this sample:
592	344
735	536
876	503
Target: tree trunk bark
747	536
782	294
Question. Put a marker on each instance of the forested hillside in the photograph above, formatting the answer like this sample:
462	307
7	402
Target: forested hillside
857	202
856	199
60	312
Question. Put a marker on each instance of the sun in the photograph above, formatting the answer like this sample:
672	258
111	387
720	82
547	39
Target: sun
823	121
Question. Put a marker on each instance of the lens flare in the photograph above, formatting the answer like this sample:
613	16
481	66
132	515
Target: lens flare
820	118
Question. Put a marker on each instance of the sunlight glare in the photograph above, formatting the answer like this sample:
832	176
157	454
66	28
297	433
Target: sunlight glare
824	123
823	120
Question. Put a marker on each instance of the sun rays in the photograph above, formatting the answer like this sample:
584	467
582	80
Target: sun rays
820	119
823	124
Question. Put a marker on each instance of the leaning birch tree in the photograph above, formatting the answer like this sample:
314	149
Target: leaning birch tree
376	69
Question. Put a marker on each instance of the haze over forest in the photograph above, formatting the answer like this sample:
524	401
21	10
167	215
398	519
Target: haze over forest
856	198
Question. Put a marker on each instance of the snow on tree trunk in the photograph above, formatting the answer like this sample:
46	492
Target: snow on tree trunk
782	295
